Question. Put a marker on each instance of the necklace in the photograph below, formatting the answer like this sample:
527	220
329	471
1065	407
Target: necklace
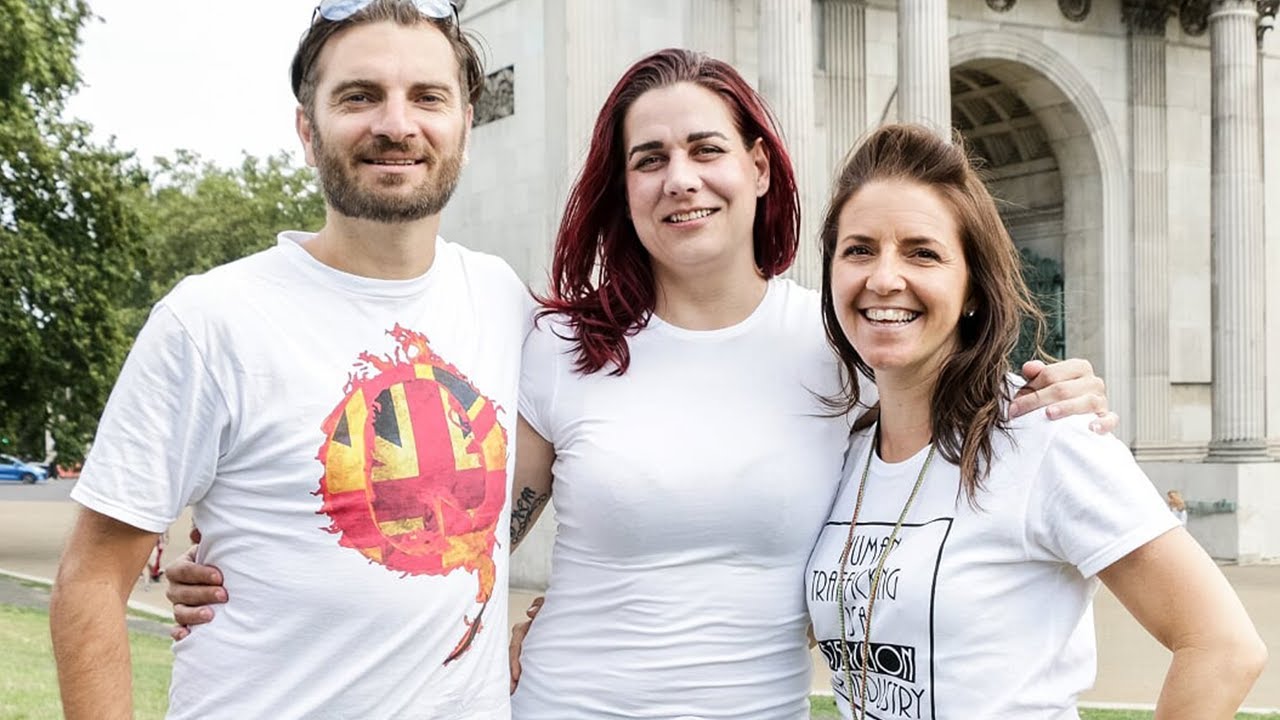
864	655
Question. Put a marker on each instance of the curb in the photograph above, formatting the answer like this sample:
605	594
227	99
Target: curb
1150	707
151	611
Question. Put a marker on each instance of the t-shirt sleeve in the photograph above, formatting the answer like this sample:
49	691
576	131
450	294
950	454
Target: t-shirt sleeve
1091	504
161	434
540	375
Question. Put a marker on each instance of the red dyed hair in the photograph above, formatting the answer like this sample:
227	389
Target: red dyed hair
601	277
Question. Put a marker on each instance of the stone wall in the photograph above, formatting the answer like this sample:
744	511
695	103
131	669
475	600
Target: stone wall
1074	75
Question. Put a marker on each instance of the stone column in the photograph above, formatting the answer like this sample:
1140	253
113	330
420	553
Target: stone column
1146	23
845	37
1267	10
924	64
590	29
786	80
1238	293
710	27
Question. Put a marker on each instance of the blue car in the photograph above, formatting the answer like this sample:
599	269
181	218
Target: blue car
11	468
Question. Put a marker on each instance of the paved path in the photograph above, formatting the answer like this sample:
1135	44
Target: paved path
34	521
29	594
1131	665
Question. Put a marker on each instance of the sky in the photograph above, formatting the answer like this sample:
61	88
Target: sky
210	77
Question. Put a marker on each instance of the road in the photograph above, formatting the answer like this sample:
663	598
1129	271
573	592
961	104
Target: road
52	491
34	523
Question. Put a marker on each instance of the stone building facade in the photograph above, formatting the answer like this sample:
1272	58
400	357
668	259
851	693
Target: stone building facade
1126	139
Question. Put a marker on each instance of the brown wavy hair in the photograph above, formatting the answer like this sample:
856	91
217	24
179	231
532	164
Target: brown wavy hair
302	70
972	392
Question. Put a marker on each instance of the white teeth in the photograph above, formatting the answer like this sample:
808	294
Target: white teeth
393	162
687	216
890	315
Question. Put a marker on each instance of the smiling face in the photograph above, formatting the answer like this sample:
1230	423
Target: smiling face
388	130
899	281
692	182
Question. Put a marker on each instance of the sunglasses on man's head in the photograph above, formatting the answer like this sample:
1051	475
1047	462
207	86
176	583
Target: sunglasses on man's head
335	10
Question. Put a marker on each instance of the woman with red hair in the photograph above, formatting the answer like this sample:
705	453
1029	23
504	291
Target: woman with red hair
673	388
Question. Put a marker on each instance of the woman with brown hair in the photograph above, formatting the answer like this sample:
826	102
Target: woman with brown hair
954	576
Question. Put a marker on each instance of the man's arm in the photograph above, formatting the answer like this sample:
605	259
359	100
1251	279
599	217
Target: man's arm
534	456
1065	388
101	561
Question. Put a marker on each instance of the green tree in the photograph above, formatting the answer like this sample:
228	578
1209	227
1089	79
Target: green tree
70	239
89	240
199	215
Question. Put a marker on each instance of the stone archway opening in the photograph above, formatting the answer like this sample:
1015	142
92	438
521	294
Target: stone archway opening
1016	159
1045	103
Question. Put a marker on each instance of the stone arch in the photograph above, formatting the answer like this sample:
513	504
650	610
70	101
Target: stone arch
1097	251
1021	170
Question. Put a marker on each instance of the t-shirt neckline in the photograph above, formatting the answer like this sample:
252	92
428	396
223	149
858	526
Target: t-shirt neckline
889	470
657	323
290	242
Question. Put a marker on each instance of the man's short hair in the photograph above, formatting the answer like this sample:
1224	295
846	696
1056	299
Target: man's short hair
403	12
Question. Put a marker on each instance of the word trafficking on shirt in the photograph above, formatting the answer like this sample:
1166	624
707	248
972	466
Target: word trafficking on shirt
897	682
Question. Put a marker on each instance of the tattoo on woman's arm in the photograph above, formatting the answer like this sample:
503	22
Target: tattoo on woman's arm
523	512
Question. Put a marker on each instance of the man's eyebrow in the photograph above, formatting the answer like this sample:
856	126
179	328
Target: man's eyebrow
370	86
353	85
437	86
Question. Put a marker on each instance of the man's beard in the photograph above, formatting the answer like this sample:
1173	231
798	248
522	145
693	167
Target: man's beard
345	194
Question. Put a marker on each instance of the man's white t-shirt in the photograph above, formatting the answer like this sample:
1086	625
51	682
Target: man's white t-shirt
983	611
689	492
347	444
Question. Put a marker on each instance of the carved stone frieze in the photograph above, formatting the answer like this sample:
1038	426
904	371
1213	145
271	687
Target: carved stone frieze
498	99
1075	10
1146	17
1193	16
1266	16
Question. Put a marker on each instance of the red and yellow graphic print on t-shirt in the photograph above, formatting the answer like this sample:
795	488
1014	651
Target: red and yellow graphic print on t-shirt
415	468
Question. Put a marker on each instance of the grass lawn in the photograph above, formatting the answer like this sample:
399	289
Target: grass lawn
824	708
29	681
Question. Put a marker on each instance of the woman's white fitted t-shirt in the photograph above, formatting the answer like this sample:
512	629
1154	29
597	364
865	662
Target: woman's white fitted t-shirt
689	492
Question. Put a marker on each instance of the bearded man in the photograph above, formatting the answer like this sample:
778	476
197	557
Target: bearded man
337	409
